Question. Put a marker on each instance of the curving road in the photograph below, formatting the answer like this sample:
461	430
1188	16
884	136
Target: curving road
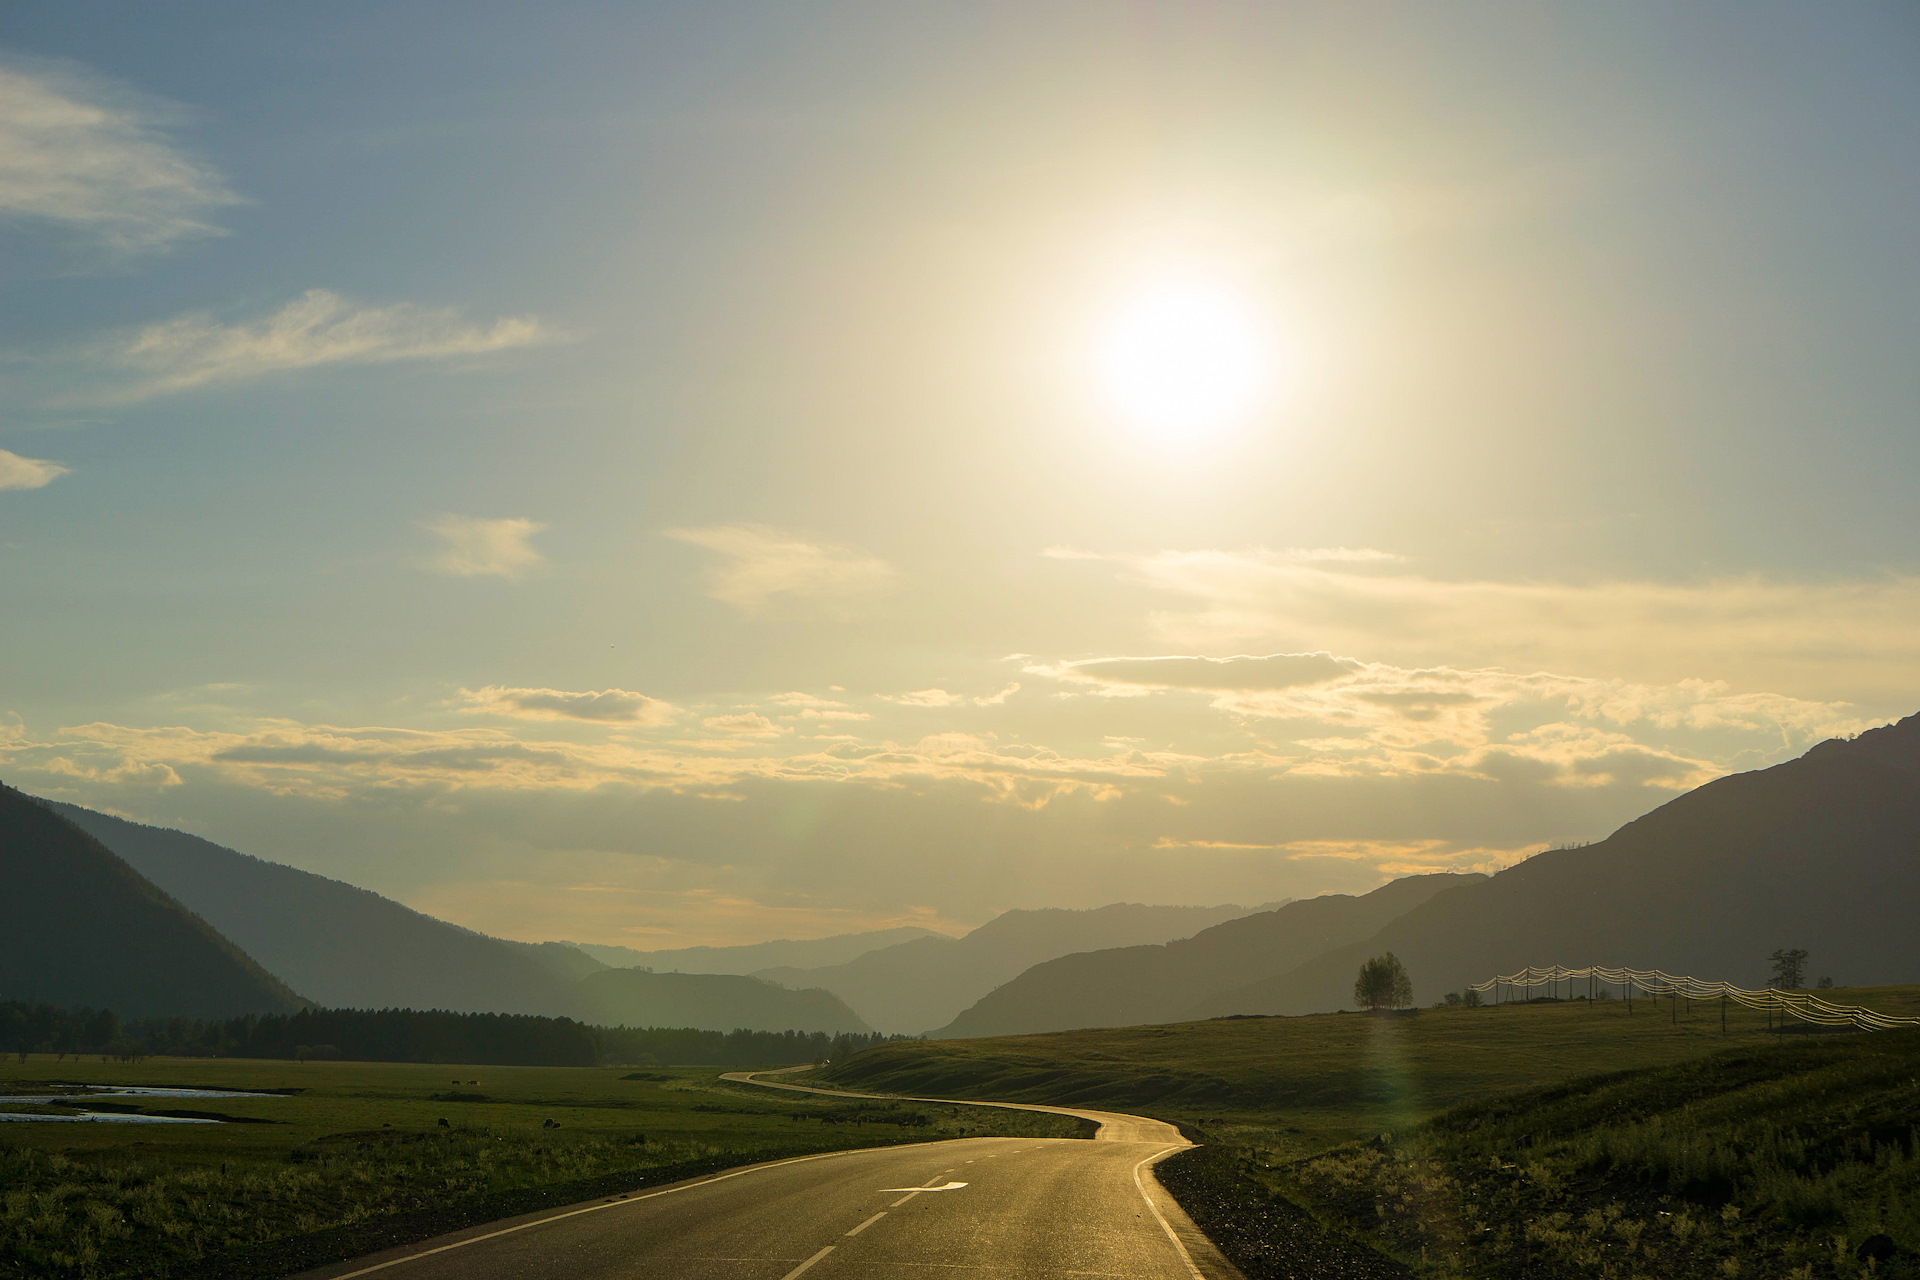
1018	1208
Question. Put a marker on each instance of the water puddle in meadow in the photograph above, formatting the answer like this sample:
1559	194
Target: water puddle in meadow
78	1098
98	1117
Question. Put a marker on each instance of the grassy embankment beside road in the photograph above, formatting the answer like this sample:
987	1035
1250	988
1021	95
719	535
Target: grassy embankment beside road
354	1157
1543	1140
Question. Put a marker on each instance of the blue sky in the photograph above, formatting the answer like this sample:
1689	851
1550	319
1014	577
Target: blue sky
633	472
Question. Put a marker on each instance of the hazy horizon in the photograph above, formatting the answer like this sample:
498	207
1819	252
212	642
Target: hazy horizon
670	477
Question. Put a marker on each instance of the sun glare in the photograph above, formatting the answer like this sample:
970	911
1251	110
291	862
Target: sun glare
1182	359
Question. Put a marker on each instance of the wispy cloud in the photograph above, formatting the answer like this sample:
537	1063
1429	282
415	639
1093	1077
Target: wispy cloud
80	153
1273	671
602	706
760	563
17	472
1819	638
747	724
1290	555
942	698
318	328
477	548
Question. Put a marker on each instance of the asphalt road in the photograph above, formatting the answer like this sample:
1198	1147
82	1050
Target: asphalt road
1019	1208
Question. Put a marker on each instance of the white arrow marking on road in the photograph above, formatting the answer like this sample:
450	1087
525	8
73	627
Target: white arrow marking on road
951	1186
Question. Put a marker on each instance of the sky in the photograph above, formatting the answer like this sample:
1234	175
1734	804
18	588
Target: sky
677	474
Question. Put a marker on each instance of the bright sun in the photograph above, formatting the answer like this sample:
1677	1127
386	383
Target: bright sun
1181	359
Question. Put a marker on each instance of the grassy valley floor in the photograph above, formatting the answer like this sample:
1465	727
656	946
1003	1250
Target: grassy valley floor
1544	1140
345	1157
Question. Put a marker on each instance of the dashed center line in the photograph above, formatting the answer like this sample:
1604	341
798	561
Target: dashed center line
808	1263
869	1222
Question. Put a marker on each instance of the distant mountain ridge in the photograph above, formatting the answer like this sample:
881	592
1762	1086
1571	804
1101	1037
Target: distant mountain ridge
921	984
1135	986
83	928
1821	852
710	1002
803	953
349	948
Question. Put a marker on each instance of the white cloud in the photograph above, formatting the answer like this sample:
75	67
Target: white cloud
81	154
317	328
798	699
747	724
477	547
17	472
807	706
604	706
928	698
761	563
941	698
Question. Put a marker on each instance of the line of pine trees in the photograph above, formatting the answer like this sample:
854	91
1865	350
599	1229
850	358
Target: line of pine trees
409	1035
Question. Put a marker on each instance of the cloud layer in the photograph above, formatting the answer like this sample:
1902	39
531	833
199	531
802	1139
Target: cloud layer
759	564
1822	639
83	155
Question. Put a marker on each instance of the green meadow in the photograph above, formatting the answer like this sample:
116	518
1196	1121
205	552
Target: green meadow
349	1157
1552	1139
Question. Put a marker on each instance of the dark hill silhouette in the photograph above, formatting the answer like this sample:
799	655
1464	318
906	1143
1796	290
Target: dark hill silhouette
754	957
81	927
1822	852
710	1002
1131	986
344	947
924	983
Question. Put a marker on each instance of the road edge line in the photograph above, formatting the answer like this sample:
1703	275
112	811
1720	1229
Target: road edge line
1178	1244
611	1204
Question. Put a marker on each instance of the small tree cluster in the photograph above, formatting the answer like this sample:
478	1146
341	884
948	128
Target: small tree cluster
1789	968
1383	984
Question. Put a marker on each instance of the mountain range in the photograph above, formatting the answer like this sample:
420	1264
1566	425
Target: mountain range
807	953
1168	982
345	947
1821	853
913	986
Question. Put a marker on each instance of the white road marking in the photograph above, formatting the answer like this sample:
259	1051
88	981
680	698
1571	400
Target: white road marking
1161	1218
869	1222
951	1186
903	1199
815	1258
